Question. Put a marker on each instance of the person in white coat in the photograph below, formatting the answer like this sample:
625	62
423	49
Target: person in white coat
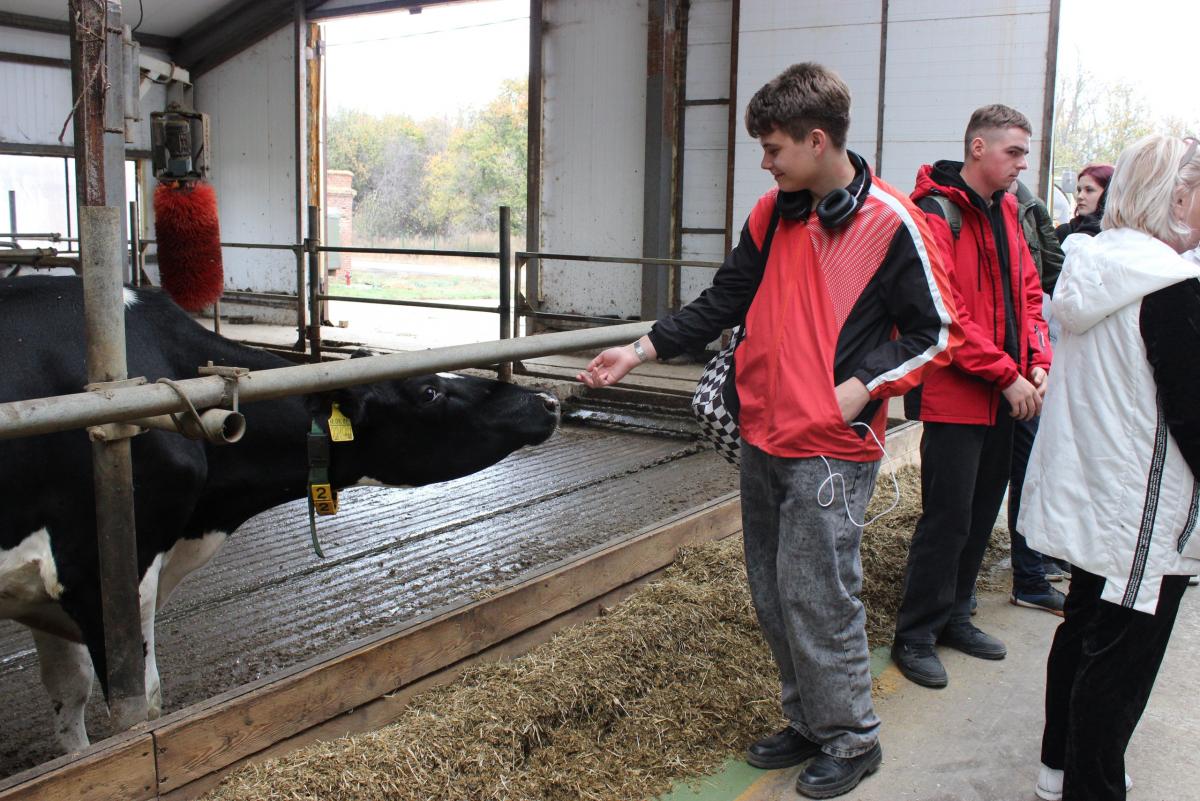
1112	481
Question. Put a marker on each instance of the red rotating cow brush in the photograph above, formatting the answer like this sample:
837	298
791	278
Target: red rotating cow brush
189	243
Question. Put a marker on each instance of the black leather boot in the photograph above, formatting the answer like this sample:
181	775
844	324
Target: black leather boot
783	749
829	776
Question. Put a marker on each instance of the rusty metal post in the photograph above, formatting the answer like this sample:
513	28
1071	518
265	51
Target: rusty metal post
298	24
506	306
99	144
314	283
12	217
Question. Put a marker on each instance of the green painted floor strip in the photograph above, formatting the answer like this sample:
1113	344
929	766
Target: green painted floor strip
735	777
727	783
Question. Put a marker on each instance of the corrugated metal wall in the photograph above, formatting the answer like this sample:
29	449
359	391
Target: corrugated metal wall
35	100
705	140
251	103
943	59
593	151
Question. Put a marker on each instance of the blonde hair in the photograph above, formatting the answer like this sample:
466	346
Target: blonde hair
1148	179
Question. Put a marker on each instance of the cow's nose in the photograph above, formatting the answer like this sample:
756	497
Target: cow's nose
551	403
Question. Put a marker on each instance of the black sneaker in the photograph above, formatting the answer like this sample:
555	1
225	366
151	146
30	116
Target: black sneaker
829	776
970	640
919	664
783	749
1051	601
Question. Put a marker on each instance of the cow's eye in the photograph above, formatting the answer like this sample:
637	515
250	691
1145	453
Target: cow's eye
430	394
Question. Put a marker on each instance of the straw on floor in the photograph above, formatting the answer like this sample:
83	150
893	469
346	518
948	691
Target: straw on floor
664	687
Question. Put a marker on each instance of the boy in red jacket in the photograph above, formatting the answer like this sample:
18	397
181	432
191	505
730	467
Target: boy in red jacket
848	305
998	375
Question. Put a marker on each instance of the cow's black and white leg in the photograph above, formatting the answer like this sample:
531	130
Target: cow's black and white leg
67	673
148	592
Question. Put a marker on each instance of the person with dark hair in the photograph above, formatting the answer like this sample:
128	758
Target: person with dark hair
1089	206
997	377
1113	479
849	306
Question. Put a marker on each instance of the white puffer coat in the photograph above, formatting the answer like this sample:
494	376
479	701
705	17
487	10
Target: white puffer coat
1107	488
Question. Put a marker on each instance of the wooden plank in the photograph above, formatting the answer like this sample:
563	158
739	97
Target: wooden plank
120	768
198	741
387	709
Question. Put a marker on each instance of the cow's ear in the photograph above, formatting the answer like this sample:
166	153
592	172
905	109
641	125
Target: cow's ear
351	401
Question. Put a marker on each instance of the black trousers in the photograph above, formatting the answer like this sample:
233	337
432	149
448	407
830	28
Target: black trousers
1101	669
1029	573
964	472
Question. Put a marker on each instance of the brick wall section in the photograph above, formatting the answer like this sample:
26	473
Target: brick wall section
340	195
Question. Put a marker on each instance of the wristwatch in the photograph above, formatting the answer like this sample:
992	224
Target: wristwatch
639	350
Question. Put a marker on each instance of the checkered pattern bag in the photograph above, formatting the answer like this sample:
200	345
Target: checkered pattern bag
718	423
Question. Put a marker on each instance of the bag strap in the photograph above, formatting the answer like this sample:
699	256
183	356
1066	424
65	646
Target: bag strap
951	212
771	226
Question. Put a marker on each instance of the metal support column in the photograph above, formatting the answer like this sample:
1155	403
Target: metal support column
533	190
100	176
298	46
506	323
662	89
314	283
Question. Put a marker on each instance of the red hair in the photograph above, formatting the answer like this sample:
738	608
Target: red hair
1100	173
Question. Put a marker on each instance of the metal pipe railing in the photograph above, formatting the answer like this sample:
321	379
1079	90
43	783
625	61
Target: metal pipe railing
65	412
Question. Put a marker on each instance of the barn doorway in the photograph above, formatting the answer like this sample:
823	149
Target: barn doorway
425	137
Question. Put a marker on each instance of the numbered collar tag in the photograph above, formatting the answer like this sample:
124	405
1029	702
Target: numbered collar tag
340	429
324	499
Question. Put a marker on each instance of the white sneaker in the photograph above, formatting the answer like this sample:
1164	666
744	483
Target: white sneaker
1050	784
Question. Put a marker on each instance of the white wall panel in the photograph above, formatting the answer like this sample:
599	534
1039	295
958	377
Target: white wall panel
250	100
593	152
941	70
35	100
774	35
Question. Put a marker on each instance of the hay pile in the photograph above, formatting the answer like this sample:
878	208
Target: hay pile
662	688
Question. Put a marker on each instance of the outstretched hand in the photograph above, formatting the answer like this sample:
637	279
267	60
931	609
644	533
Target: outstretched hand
609	367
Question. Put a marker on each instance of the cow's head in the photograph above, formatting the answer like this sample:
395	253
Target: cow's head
431	428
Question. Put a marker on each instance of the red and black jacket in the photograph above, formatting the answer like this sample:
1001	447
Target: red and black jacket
999	299
868	300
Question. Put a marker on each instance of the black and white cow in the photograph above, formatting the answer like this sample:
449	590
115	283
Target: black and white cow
190	496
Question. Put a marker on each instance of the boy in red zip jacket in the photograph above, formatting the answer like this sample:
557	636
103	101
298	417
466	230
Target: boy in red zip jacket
848	306
998	375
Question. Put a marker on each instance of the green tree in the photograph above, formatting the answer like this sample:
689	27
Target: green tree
1095	119
484	166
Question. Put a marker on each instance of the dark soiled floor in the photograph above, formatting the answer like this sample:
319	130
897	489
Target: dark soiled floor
266	602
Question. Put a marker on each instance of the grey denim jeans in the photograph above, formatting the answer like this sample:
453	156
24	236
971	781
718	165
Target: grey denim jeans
805	576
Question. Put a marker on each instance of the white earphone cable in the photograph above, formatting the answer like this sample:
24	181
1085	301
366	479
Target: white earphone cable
845	501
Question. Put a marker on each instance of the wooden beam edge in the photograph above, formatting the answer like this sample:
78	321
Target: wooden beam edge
194	742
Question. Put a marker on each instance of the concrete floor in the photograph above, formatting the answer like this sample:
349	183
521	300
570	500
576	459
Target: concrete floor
978	739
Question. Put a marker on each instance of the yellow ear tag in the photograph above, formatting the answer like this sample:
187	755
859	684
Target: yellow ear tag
340	429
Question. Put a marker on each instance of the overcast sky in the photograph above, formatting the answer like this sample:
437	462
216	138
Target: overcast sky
1149	44
418	79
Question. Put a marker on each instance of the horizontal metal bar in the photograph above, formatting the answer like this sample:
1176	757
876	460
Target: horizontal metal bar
37	61
249	245
575	318
66	412
42	237
424	304
713	231
237	293
523	255
26	149
466	254
708	101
